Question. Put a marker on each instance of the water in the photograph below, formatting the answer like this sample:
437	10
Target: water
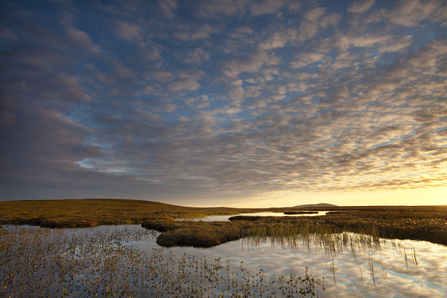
352	265
263	214
395	268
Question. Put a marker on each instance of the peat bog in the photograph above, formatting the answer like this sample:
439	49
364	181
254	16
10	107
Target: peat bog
53	263
402	222
46	262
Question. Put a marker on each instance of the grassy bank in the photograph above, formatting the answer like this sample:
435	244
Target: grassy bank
52	263
429	225
93	212
403	222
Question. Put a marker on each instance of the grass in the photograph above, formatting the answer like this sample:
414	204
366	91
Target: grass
52	263
83	263
93	212
300	212
416	225
404	222
48	262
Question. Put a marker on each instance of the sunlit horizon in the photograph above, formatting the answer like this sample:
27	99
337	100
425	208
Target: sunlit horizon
225	103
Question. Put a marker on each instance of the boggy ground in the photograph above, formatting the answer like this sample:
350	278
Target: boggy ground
94	212
423	224
404	222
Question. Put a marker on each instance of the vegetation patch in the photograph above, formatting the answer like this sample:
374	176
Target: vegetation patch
49	263
429	225
404	222
300	212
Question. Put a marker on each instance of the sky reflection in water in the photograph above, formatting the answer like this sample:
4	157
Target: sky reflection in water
396	268
226	217
360	271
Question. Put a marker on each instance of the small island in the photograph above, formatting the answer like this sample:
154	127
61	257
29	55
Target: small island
300	212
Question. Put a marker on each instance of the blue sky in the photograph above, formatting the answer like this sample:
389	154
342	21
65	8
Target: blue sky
225	103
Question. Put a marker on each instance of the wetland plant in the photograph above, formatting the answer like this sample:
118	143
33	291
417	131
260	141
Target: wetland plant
83	263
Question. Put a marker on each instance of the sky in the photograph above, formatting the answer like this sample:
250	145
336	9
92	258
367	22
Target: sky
224	103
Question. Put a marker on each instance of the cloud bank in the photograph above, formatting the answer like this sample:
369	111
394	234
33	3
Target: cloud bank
224	99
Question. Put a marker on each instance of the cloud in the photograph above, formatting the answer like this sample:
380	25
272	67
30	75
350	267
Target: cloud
360	6
252	63
71	88
306	59
123	73
163	76
170	107
367	40
7	35
267	72
168	7
153	53
233	98
278	39
184	85
266	7
127	30
80	38
226	110
195	56
215	9
396	44
202	31
313	20
411	13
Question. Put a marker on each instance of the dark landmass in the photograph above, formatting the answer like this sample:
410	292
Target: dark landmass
320	205
403	222
300	212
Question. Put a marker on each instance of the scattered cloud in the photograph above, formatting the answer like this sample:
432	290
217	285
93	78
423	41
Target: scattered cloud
266	7
360	6
168	7
233	98
127	30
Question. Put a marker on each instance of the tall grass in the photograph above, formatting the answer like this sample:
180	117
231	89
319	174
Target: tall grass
208	234
60	263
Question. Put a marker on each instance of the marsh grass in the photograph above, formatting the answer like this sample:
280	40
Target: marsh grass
291	233
94	212
61	263
336	243
198	215
404	222
429	225
277	229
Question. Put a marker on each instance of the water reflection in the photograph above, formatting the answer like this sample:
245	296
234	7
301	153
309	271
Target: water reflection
94	262
263	214
352	265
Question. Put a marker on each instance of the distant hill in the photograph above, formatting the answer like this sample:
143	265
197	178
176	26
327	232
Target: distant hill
320	205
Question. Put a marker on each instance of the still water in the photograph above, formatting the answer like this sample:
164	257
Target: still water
352	265
390	268
263	214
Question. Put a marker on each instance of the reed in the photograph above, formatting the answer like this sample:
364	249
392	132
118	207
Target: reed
61	263
402	222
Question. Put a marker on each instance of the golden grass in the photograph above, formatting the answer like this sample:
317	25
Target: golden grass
92	212
416	225
405	222
50	263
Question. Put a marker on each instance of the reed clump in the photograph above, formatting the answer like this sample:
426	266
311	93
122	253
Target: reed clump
208	234
423	225
196	234
404	222
61	263
300	212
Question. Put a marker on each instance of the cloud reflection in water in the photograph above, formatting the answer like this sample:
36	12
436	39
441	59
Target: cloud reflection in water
360	271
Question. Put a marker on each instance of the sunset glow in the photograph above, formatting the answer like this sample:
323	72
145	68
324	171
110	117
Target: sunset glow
225	103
